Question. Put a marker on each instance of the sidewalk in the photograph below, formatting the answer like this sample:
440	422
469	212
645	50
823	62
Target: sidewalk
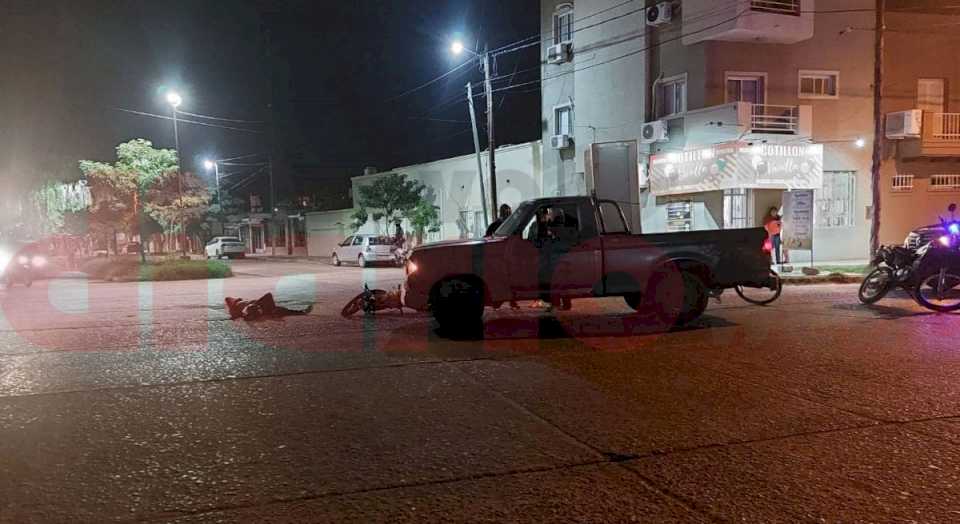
837	272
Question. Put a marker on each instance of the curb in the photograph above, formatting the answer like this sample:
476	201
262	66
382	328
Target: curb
832	278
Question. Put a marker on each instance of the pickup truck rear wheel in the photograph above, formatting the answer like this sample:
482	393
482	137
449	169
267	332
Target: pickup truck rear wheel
677	299
457	305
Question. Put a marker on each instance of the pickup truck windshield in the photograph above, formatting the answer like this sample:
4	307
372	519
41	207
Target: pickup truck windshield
512	223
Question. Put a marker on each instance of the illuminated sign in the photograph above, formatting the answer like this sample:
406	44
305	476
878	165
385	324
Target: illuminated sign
737	165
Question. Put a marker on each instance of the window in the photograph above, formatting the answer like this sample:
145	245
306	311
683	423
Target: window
930	95
746	87
735	206
563	24
679	216
836	201
819	84
902	183
563	120
471	224
945	183
358	240
672	96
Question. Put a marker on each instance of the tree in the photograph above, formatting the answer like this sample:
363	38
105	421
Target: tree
141	180
388	198
425	217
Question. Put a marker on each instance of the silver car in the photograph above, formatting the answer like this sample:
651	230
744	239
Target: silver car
363	250
229	247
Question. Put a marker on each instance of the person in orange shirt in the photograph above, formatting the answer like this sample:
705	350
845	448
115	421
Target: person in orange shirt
774	224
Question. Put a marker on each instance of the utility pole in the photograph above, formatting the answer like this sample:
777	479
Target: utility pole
476	147
491	143
878	131
176	145
273	209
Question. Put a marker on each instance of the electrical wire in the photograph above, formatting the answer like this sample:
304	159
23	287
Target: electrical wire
430	82
208	117
143	113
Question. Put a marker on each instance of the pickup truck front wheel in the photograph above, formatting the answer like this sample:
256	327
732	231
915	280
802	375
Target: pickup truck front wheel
457	305
677	299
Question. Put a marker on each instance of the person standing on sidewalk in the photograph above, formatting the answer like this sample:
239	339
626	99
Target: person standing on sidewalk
773	223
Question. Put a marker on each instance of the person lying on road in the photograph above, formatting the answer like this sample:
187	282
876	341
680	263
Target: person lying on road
261	309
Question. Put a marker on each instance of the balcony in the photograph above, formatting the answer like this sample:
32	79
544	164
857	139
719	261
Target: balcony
939	137
763	21
744	121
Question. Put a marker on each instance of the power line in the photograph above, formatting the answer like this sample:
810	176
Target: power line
430	82
241	157
208	117
142	113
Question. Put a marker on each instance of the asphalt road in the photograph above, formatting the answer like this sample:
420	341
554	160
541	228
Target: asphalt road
126	401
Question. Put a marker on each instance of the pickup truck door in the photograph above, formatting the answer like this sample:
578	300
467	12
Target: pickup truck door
561	255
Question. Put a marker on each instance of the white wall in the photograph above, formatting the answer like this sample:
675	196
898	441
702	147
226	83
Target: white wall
455	185
325	229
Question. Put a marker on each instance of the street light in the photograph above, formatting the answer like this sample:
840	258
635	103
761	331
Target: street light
860	143
457	48
215	166
174	99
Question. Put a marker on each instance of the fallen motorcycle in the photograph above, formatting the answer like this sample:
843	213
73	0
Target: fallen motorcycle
373	300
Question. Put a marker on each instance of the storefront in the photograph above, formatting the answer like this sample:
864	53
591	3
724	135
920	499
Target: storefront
726	186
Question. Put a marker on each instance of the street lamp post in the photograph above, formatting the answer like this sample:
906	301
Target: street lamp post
215	166
457	48
174	99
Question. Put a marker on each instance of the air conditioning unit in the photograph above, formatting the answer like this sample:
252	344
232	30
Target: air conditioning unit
660	14
560	53
560	141
904	124
654	132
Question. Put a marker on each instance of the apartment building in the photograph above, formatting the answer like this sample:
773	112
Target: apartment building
921	167
729	104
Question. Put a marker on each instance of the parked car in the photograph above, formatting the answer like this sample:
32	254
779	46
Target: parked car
229	247
585	249
364	250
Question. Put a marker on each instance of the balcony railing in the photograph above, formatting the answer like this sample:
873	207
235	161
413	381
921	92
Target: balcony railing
946	126
780	7
945	182
766	118
903	183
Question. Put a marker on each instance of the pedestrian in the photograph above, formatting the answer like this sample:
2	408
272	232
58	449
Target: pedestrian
773	223
505	211
398	236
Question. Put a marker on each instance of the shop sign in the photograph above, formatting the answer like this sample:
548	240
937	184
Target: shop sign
797	220
736	165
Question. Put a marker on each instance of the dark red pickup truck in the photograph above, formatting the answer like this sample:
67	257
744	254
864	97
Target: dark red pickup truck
579	247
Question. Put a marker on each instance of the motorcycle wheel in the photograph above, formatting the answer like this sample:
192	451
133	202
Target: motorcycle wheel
939	291
765	295
876	285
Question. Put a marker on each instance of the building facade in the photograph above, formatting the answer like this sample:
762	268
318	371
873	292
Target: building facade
921	99
733	104
454	188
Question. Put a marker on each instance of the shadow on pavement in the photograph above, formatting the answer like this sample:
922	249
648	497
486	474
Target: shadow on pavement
548	327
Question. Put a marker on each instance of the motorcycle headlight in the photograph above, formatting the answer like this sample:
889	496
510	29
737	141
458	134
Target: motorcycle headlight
954	228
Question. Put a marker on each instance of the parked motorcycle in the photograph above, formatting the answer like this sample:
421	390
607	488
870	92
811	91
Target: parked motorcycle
937	284
894	267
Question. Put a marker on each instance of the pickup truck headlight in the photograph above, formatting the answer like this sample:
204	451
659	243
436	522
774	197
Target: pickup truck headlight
411	267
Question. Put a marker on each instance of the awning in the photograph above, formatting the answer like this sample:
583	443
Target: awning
736	165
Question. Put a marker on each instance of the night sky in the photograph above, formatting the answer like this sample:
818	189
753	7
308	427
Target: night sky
322	77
